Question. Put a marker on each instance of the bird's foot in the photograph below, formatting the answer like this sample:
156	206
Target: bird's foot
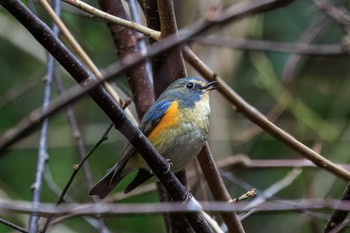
169	165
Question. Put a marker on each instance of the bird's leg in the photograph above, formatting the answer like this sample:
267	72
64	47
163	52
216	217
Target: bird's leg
169	166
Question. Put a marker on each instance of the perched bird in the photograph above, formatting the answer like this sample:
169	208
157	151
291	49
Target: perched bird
176	124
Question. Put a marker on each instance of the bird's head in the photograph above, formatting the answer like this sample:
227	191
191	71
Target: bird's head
189	90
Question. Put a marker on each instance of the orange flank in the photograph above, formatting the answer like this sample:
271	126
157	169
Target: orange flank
169	119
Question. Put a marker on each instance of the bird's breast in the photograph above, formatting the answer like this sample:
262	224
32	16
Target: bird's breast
182	142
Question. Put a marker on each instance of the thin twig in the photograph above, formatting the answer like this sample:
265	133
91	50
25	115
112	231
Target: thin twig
340	14
338	216
18	91
272	190
76	169
110	18
43	152
81	52
72	210
340	227
274	46
243	161
13	226
290	68
92	221
82	153
218	188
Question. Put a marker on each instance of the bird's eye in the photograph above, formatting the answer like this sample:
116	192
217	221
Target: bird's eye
190	85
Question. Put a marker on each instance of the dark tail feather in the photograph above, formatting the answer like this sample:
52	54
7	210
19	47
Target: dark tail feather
107	183
140	178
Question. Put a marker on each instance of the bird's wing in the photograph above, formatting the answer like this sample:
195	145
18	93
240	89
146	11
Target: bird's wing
160	116
148	122
151	119
154	115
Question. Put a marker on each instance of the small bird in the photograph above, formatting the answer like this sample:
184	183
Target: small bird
176	124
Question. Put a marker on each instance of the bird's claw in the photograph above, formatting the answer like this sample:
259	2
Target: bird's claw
169	165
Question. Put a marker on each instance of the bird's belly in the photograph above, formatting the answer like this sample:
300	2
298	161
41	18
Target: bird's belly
181	144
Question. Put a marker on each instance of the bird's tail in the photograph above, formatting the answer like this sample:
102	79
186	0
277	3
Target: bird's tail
108	182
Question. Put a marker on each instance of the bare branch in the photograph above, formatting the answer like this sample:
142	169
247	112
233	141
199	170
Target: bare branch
17	91
243	161
73	210
126	45
110	18
13	226
83	55
272	190
218	188
274	46
43	151
338	216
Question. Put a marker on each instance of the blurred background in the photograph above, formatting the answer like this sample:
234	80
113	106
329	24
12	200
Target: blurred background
291	64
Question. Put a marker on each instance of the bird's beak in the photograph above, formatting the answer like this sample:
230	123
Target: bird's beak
211	86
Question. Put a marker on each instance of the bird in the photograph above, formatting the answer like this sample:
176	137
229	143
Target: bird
177	125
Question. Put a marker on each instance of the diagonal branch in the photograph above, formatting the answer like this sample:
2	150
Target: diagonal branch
13	226
218	188
125	43
82	54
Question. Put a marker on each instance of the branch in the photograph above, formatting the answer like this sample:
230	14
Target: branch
339	14
243	161
218	188
13	226
113	19
82	54
174	58
271	191
291	67
338	216
12	94
126	44
117	209
43	153
274	46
